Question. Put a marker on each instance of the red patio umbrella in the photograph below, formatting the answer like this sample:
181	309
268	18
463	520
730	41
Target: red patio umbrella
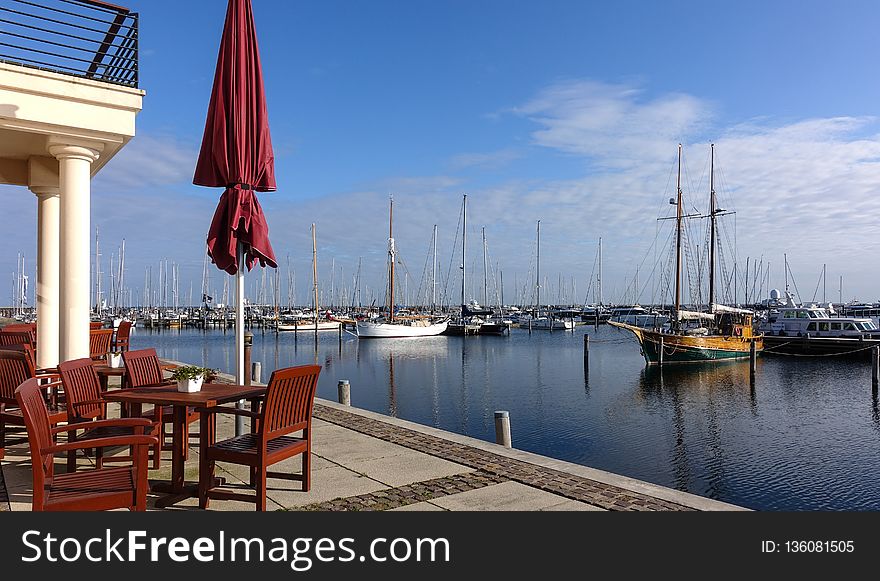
236	154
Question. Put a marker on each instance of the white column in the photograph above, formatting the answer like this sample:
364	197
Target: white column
48	223
74	165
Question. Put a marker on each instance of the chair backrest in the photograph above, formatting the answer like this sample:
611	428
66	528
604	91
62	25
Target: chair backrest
82	388
96	325
123	332
23	337
21	327
142	367
290	397
99	342
15	368
36	419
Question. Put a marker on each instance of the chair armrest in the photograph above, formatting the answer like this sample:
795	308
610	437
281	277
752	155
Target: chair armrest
228	410
102	443
51	384
116	422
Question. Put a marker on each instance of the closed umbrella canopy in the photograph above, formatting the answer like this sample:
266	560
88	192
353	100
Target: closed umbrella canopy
236	148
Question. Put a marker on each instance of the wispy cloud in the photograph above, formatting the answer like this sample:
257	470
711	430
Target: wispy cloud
485	161
149	161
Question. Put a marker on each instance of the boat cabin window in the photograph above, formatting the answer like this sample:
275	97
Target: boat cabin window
802	315
836	326
811	327
822	326
788	315
850	327
869	326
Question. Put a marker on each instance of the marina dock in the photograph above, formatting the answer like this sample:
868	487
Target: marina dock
367	461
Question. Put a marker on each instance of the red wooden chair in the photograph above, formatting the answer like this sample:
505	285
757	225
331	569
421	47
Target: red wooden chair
21	327
287	408
22	337
95	325
142	367
100	489
121	339
86	409
17	366
99	343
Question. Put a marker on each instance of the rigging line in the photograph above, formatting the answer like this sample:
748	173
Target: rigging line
445	293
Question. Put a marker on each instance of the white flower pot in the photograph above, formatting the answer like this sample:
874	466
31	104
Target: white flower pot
189	385
114	360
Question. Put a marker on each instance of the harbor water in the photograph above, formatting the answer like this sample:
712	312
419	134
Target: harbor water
804	436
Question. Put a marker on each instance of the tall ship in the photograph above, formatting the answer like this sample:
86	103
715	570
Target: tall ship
396	326
694	336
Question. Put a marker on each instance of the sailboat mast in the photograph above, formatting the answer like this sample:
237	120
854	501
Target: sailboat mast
599	275
678	236
712	229
485	271
434	272
463	253
538	269
315	273
391	258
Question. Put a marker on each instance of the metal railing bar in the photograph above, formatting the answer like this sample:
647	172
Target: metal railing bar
43	41
47	30
55	54
51	9
54	67
47	19
97	5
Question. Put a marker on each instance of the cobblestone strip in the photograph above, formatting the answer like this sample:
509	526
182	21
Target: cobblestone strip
4	495
555	481
410	493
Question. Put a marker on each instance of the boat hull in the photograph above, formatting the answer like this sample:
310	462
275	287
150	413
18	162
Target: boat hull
691	348
310	326
369	330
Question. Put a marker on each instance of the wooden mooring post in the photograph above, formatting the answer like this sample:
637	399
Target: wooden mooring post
660	353
875	367
586	349
344	389
753	359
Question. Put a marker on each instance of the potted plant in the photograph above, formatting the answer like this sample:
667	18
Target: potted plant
189	377
114	359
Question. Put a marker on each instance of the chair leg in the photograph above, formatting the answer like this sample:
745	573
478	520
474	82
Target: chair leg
307	470
71	454
99	458
2	439
185	440
261	489
206	481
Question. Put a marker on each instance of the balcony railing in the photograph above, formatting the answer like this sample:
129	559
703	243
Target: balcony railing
85	38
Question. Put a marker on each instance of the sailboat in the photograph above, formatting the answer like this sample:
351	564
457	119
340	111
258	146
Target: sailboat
313	323
392	326
722	333
545	322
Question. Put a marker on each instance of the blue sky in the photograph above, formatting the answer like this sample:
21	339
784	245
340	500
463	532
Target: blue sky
565	111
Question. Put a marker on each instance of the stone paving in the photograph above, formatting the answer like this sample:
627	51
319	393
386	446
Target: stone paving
557	482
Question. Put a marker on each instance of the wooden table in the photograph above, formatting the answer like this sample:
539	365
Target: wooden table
105	372
211	394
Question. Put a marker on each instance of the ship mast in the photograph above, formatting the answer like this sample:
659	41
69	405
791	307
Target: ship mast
538	270
315	274
712	212
678	237
391	258
463	254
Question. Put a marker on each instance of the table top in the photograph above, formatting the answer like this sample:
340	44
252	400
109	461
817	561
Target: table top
104	369
210	395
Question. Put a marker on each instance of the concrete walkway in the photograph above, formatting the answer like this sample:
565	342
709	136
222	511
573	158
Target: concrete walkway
367	461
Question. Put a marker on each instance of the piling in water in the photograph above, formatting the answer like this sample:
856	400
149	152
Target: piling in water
344	389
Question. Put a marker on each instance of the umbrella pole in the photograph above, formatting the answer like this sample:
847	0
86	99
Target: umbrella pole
239	334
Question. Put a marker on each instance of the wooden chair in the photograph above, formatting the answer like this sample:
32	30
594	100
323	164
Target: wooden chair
287	408
142	367
86	409
100	489
22	337
95	325
121	339
17	366
21	327
99	343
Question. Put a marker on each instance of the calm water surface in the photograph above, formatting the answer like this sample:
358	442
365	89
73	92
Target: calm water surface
805	437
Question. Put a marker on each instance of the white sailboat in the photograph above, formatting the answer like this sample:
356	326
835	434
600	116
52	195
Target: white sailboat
313	323
392	326
545	322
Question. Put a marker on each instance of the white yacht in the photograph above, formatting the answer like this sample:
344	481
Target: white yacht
638	316
791	320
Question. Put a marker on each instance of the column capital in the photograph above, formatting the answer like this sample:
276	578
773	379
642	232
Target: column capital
70	151
46	191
